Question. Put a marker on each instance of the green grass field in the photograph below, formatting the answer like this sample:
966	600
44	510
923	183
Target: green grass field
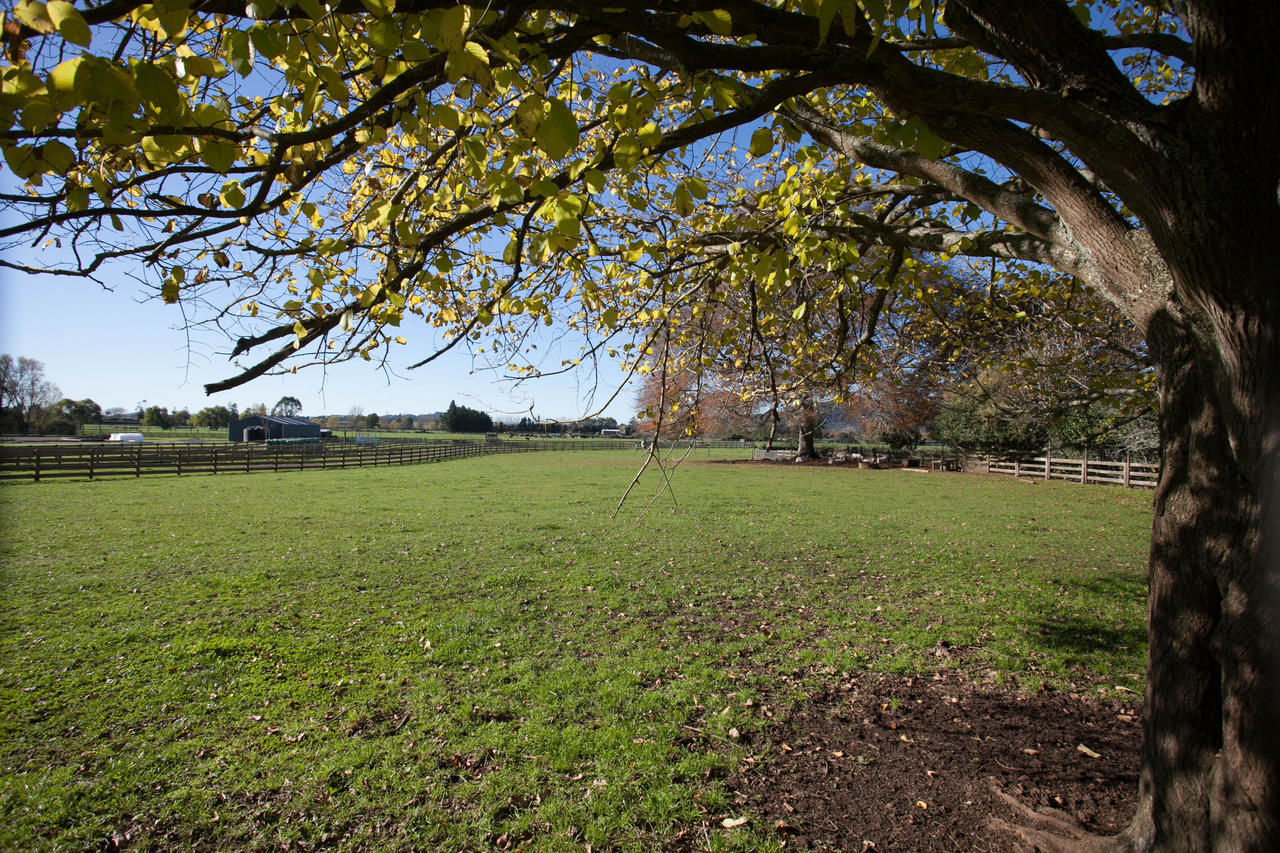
474	655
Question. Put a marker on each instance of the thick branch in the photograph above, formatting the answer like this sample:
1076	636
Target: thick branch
1013	208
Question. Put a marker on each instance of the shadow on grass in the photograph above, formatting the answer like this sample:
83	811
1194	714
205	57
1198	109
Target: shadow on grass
1117	587
1081	638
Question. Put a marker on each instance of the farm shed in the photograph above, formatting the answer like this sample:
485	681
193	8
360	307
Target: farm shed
263	427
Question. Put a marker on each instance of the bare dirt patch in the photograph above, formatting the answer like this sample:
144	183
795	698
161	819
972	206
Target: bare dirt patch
914	764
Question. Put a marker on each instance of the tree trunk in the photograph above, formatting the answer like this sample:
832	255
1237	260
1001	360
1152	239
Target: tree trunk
1210	776
805	447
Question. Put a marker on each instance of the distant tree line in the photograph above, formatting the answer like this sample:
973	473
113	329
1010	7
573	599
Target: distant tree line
586	426
463	419
31	403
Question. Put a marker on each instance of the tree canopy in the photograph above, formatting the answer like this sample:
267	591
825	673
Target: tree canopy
309	177
464	419
287	406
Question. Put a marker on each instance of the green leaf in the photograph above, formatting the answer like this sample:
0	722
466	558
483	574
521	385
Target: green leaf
384	36
627	152
567	224
71	26
155	86
265	41
172	285
77	199
567	212
509	192
22	160
453	28
235	50
697	187
558	133
683	200
472	61
799	313
258	10
159	153
209	115
876	9
511	254
529	115
927	143
826	14
36	16
543	188
650	135
761	142
719	21
57	155
475	149
594	180
63	76
219	156
232	194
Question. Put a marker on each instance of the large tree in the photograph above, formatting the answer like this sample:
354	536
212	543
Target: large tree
24	390
347	166
290	407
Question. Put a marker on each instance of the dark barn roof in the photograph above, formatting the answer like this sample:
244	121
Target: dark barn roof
274	426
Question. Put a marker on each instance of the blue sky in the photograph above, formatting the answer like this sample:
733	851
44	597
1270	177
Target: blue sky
120	349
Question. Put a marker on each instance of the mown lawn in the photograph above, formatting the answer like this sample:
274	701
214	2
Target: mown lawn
475	656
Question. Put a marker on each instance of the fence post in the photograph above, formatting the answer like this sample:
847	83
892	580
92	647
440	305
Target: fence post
1126	469
177	460
37	465
91	456
137	461
1017	467
1048	460
1084	467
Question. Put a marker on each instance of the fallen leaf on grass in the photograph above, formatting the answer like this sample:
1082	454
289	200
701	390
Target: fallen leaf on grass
731	822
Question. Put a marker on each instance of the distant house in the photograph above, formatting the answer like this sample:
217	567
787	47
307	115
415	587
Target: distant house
263	427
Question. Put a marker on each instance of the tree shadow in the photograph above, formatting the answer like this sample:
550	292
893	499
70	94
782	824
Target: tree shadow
1083	638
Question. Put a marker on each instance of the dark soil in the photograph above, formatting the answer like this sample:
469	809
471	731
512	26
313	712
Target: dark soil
913	764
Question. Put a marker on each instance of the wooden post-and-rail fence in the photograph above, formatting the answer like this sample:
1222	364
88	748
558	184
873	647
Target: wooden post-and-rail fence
1131	475
94	461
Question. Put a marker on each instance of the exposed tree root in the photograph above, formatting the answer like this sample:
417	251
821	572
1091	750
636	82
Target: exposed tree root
1052	831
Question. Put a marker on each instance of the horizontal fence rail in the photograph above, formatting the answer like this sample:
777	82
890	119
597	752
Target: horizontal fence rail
94	461
1131	475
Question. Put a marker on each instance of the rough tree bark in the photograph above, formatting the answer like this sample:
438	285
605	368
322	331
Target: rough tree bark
1211	751
1211	755
808	429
